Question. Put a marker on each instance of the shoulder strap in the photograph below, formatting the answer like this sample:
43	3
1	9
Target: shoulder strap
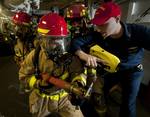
36	61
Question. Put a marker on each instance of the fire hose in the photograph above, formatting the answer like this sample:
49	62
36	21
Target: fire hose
67	86
71	88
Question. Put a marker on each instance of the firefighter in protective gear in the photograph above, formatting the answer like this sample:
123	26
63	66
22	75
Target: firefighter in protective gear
24	36
52	60
76	17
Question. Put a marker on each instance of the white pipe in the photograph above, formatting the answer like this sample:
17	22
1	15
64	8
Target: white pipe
133	8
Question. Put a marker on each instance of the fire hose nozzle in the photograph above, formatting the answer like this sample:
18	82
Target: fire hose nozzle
78	91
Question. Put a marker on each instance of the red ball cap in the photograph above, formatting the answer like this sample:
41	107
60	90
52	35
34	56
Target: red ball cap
105	12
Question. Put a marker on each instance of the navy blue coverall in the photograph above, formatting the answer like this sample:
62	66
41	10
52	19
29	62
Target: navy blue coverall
130	49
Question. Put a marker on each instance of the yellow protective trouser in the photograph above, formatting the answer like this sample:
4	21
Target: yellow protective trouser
41	106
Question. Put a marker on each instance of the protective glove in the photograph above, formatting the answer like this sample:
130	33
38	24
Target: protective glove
44	79
80	80
38	83
77	99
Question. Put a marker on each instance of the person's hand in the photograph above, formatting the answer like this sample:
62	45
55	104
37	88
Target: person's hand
78	89
93	61
90	60
43	81
45	76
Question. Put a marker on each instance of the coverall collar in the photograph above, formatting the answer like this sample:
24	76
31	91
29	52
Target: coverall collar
126	32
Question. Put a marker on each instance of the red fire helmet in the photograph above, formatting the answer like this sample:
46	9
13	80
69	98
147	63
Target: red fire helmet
75	11
52	25
21	18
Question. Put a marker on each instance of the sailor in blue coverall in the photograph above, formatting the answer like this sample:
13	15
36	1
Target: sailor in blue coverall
127	42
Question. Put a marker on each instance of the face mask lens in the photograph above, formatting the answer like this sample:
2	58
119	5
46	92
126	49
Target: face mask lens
57	45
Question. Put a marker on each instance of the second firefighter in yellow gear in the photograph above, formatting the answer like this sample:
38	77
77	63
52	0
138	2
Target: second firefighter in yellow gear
24	36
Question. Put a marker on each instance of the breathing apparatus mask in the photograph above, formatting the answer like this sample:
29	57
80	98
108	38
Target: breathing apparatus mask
55	46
